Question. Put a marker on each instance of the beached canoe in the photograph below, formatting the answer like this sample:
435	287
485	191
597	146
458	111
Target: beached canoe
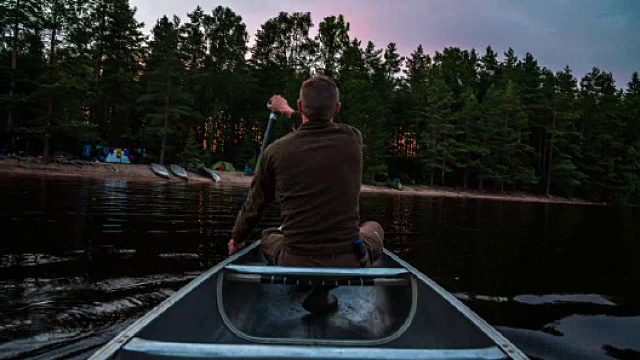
396	184
179	171
245	309
212	173
160	170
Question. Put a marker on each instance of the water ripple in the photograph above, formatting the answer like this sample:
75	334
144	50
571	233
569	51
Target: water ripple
79	261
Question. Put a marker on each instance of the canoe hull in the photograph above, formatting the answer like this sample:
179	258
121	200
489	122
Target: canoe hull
179	172
234	308
212	174
160	170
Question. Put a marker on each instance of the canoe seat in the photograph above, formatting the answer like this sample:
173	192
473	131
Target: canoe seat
304	276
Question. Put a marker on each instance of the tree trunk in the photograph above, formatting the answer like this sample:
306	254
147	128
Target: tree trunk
166	126
49	113
45	150
550	165
545	165
542	143
465	181
96	101
14	63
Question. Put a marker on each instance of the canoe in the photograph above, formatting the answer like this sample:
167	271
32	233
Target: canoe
243	308
212	173
160	170
179	171
396	184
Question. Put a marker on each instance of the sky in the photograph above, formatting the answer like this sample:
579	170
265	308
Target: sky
580	33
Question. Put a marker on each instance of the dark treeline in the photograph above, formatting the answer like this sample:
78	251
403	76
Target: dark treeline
76	71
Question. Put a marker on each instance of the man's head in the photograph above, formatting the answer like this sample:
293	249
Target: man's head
319	99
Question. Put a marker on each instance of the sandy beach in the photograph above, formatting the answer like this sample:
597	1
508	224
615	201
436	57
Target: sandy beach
19	167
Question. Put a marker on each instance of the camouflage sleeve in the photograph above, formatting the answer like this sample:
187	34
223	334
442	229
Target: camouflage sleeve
261	195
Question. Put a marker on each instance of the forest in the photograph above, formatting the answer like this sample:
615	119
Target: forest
194	91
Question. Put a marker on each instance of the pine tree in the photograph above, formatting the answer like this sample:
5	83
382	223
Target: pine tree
164	100
71	71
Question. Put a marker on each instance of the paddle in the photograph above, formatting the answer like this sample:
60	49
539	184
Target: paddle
267	134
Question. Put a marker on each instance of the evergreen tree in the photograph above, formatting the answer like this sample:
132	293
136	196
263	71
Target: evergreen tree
164	99
73	71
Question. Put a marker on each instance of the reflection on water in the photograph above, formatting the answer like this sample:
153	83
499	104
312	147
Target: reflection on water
81	260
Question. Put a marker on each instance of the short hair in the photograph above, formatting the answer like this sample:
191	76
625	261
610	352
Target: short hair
319	96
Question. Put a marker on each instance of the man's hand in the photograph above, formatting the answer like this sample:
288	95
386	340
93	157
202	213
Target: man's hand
279	104
234	247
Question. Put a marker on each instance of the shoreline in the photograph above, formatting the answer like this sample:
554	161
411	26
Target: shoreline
21	167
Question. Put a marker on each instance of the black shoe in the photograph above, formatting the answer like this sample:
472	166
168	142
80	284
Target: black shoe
320	302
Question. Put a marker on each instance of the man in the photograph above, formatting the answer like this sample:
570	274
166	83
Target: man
315	173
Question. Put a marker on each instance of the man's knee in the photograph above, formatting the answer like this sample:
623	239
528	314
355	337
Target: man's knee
372	234
374	230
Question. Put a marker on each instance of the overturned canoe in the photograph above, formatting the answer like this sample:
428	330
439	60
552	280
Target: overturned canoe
396	184
160	170
179	171
212	173
244	309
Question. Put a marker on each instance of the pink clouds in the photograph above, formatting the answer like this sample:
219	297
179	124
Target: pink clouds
541	27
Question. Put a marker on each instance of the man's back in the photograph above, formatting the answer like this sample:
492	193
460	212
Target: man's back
317	172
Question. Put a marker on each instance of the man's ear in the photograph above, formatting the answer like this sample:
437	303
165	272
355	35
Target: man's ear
338	107
299	106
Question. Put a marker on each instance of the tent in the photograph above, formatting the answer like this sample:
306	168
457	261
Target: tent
224	166
118	156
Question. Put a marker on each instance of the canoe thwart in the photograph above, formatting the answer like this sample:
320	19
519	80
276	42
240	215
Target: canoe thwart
244	351
319	272
292	280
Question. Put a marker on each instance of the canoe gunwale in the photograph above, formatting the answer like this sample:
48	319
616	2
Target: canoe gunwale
227	351
127	340
499	339
111	348
311	341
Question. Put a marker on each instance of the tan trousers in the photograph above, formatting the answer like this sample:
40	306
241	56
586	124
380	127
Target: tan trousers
276	252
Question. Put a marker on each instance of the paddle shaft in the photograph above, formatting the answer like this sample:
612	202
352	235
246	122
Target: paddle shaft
267	133
265	139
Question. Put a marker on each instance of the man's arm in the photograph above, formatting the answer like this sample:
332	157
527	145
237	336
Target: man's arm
296	119
279	105
295	116
261	195
361	141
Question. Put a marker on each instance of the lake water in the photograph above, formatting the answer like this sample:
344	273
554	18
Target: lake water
80	260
